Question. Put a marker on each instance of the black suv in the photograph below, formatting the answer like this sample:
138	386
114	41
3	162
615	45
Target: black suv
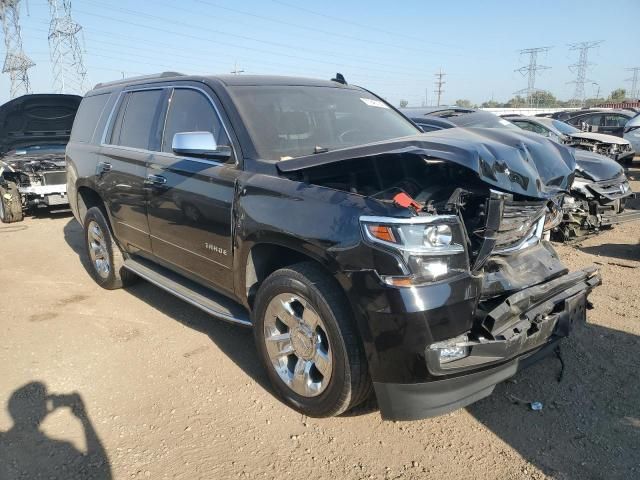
363	252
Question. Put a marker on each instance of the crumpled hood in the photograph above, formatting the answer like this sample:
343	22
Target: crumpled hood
37	119
600	137
596	167
517	162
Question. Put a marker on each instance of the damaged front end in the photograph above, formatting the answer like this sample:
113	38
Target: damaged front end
477	290
599	194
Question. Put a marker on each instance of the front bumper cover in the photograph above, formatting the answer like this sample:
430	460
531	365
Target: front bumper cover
524	324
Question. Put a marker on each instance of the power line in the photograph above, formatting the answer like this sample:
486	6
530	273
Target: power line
580	69
361	25
310	28
635	80
260	41
16	62
69	73
439	83
530	72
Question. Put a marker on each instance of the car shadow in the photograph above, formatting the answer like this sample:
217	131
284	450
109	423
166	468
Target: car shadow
590	421
623	251
235	341
589	425
27	452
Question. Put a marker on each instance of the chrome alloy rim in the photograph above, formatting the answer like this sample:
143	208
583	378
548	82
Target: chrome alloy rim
98	250
297	344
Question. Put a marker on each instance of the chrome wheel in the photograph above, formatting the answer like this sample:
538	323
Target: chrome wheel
297	344
98	249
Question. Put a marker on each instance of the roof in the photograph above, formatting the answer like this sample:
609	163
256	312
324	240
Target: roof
226	80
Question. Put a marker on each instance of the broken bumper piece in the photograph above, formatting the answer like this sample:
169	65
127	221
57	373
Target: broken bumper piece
522	329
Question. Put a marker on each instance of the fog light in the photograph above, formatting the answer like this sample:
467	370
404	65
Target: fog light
452	349
449	354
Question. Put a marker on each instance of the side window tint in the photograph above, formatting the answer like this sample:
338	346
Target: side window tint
139	115
87	117
191	111
117	123
427	128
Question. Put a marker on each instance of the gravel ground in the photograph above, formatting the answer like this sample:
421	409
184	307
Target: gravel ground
159	390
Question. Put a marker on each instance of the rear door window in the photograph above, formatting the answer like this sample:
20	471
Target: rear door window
88	117
137	118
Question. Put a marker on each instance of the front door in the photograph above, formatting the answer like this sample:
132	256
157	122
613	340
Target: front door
190	199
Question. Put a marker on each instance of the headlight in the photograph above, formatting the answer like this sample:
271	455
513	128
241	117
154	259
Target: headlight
431	247
614	148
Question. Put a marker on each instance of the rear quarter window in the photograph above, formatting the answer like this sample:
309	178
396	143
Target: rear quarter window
88	116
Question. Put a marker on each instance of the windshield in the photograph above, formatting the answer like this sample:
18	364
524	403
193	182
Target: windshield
293	121
564	127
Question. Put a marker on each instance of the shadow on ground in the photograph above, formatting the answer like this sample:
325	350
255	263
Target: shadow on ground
589	426
624	251
590	423
26	452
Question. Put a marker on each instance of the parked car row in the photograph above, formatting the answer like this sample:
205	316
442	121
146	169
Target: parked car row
600	190
366	254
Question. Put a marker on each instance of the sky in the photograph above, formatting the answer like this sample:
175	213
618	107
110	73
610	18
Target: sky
392	48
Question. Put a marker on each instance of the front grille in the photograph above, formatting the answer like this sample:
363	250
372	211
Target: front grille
612	189
518	223
55	178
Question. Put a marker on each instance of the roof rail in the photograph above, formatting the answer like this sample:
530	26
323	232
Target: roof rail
135	79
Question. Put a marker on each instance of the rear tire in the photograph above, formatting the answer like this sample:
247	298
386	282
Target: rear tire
313	355
10	203
106	261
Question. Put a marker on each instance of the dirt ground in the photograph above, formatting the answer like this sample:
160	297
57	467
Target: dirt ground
167	392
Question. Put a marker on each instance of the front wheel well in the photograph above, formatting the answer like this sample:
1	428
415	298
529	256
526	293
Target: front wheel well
266	258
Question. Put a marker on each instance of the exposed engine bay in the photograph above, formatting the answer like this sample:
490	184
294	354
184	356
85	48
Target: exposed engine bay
39	174
428	186
594	205
612	150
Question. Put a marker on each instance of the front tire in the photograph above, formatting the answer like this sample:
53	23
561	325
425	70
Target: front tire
10	203
106	262
306	338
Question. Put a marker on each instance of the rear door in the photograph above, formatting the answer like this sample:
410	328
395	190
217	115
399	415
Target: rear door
121	169
190	199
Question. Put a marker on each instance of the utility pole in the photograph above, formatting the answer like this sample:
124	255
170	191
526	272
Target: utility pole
580	69
530	71
235	70
635	79
69	73
439	83
16	63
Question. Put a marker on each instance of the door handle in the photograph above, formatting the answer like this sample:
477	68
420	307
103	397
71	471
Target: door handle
155	180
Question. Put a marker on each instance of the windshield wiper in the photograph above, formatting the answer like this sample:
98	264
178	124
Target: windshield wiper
319	149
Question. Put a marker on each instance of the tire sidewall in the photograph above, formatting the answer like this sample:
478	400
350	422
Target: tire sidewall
339	385
95	214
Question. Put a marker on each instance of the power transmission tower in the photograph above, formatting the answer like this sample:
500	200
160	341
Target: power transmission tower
69	73
439	83
635	79
16	63
530	72
235	70
580	69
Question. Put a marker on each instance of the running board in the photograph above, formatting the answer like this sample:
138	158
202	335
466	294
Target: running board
215	304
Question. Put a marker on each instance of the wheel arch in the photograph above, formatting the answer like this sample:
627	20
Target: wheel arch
264	258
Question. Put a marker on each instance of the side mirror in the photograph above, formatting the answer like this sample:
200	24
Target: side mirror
198	144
